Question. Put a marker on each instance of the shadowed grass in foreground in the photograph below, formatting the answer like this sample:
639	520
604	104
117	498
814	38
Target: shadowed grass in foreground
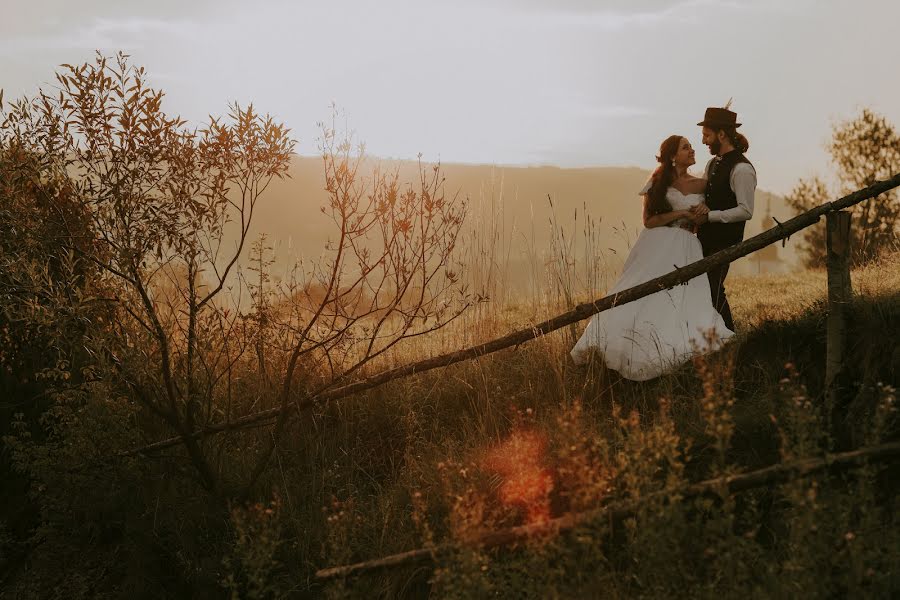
511	438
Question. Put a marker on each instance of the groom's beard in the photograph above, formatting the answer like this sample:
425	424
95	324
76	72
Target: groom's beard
714	147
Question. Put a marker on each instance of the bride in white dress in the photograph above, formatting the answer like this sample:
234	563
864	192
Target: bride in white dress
645	338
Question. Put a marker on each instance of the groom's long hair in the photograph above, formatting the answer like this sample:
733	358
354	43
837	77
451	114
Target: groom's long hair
738	140
664	175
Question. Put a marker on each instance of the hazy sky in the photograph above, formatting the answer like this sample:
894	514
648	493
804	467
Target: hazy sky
565	82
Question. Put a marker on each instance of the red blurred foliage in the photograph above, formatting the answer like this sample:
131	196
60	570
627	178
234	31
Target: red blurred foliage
527	485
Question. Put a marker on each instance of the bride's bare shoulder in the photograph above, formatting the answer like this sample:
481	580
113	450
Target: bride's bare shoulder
696	185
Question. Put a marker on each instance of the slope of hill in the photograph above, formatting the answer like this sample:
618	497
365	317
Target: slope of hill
596	210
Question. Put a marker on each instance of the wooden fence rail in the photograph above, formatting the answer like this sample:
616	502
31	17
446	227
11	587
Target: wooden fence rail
617	512
580	312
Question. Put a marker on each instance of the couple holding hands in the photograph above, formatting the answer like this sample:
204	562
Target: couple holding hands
685	219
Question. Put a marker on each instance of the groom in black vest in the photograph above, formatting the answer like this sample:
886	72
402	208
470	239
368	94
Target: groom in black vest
730	187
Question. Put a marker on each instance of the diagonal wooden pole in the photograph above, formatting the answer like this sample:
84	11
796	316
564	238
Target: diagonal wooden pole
615	513
579	313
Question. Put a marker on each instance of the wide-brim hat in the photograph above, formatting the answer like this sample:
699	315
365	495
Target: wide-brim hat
719	118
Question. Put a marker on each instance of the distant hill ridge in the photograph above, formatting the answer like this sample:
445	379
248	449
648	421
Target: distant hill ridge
515	196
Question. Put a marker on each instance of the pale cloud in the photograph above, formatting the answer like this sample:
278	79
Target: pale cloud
619	15
101	33
615	111
60	15
647	7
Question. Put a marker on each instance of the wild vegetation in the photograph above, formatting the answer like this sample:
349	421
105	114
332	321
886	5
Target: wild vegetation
863	150
124	319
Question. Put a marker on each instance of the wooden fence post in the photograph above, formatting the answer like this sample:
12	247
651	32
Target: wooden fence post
837	244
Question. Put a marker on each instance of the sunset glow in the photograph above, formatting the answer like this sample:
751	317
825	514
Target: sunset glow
476	299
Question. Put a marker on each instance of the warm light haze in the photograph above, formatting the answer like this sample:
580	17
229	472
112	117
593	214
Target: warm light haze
419	300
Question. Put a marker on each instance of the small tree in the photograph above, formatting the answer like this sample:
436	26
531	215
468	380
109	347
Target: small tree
388	276
168	211
863	150
160	198
47	291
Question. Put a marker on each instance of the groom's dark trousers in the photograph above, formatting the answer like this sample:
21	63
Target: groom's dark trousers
717	289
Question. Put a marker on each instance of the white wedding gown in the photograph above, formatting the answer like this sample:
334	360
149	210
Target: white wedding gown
645	338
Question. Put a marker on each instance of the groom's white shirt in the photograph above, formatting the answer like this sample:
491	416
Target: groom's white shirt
743	184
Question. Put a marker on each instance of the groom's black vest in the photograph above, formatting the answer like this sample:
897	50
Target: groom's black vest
720	196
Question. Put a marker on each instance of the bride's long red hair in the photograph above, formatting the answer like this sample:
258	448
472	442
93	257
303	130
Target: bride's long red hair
664	175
